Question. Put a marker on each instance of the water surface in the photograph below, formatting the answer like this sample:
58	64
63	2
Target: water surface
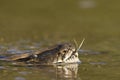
26	26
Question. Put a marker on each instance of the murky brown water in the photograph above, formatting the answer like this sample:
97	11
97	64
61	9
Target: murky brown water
26	26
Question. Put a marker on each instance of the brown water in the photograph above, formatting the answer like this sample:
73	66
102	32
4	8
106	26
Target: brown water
28	25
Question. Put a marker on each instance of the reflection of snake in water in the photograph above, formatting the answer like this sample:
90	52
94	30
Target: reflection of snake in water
61	53
59	72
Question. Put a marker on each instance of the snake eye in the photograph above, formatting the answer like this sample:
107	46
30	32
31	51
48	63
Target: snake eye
65	51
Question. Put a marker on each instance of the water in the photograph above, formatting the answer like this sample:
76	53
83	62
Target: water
26	26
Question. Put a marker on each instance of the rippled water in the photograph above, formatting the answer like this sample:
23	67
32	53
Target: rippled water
26	26
96	64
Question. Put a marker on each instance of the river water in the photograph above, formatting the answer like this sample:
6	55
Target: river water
26	26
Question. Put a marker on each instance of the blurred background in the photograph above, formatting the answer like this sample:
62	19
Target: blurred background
61	19
25	25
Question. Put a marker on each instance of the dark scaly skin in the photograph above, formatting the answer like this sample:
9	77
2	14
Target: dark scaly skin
56	54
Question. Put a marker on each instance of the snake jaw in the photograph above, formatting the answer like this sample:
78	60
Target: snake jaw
70	57
73	58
